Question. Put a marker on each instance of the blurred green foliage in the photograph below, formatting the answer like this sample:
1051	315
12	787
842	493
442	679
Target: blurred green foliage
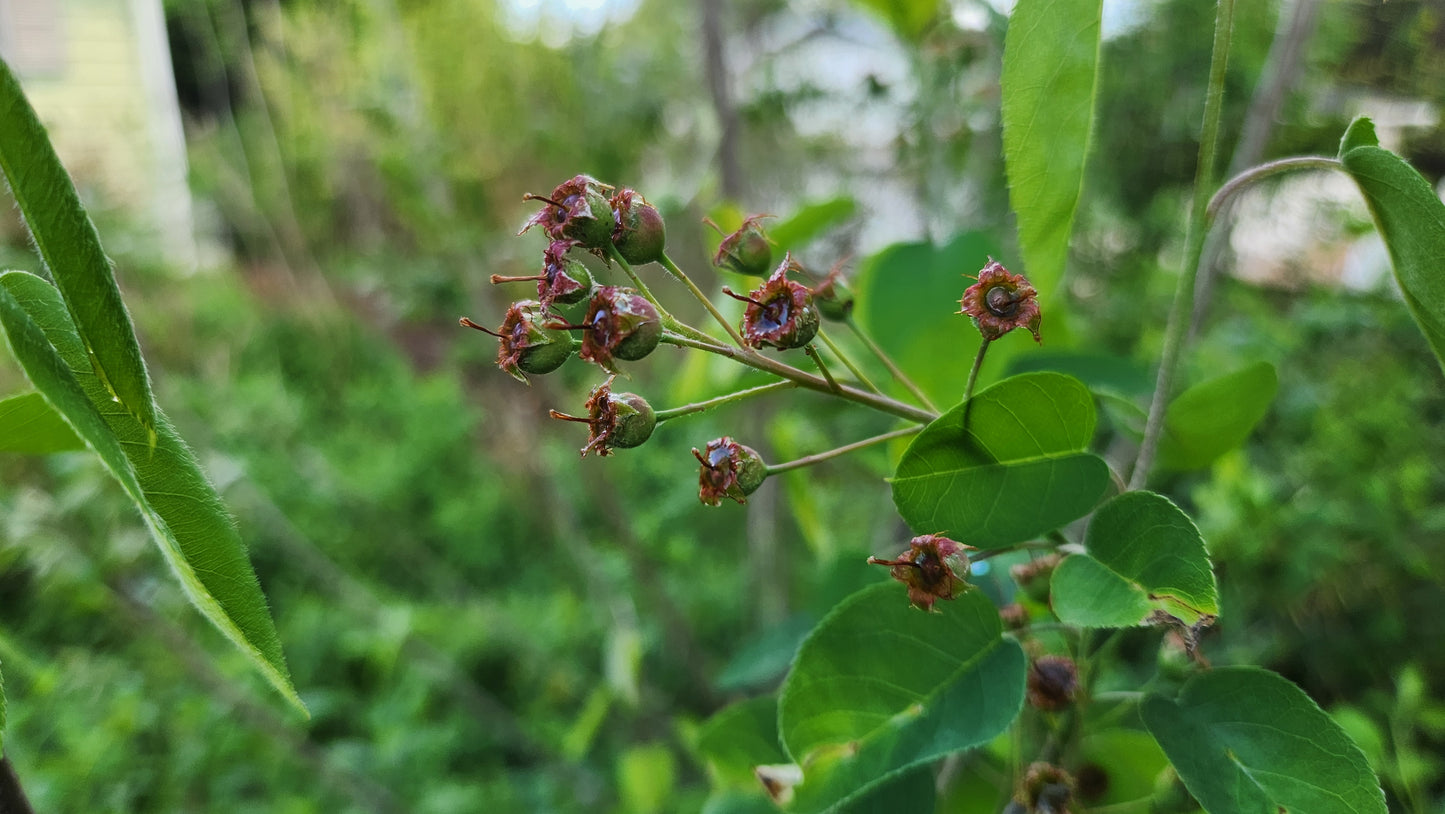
479	620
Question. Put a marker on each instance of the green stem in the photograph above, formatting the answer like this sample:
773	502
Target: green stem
973	374
700	406
822	368
1174	332
804	379
893	369
669	321
852	368
702	298
1254	175
774	469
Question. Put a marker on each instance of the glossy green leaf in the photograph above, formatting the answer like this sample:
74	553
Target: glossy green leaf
1143	556
1213	417
70	247
908	302
810	221
178	503
740	737
1411	219
1050	70
1006	466
29	426
880	687
1247	741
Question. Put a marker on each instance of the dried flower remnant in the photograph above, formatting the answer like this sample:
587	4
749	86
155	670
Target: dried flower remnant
833	297
745	251
620	324
576	210
527	343
1053	683
729	470
638	231
562	279
616	420
780	312
1033	577
1000	302
1045	789
934	567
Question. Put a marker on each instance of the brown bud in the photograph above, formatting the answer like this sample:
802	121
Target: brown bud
1053	683
934	567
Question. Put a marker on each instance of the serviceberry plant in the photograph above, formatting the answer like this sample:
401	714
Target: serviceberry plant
904	693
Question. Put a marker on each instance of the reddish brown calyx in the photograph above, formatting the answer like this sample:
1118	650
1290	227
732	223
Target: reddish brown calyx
576	210
780	312
1000	302
729	470
620	324
934	567
1053	683
616	420
1045	789
526	343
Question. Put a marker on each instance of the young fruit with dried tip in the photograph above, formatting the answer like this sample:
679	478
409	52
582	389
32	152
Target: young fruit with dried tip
729	470
780	312
616	420
528	344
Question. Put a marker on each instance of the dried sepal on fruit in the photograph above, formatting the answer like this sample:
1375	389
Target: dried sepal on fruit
638	231
620	324
1045	789
747	250
527	343
1053	683
780	312
616	420
833	297
578	210
1000	302
934	567
563	279
729	470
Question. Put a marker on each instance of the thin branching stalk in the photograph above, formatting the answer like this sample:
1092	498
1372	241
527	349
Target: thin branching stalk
729	398
704	299
893	369
819	457
822	367
848	363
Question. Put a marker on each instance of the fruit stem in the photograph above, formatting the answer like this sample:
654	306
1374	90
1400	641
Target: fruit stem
672	268
822	368
819	457
893	369
848	363
728	398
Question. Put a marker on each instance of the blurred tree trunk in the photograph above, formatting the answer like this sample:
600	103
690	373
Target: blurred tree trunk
716	70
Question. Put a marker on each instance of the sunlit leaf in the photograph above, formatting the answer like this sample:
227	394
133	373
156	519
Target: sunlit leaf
29	425
645	778
880	687
178	503
1050	69
1247	741
1143	555
740	737
1130	759
909	18
70	247
1411	219
810	221
1213	417
1006	466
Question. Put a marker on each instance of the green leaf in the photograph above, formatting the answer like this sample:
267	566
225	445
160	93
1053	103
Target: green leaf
1050	71
1411	219
185	516
740	737
70	247
1131	761
810	221
1247	741
645	778
908	300
1143	556
880	687
29	426
911	19
1213	417
1017	470
765	656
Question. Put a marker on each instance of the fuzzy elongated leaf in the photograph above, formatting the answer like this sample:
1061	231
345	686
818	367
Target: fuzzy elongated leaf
180	506
880	687
29	426
1247	741
71	250
1144	555
1006	466
1411	219
1213	417
1050	71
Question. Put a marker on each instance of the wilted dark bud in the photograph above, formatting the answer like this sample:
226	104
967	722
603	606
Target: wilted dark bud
729	470
562	279
1045	789
528	344
638	231
746	251
1014	617
1033	577
1000	302
620	324
577	210
1053	683
933	568
780	312
617	420
833	297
